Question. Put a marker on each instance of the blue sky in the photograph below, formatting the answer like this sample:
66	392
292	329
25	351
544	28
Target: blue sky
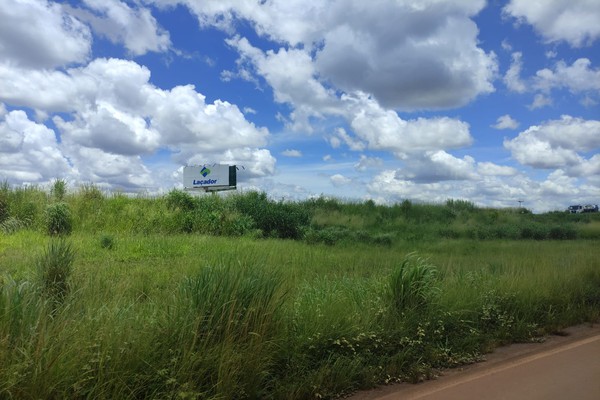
492	102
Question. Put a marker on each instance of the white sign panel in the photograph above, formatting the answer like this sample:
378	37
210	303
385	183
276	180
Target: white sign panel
203	176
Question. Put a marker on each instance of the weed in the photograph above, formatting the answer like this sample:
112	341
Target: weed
107	242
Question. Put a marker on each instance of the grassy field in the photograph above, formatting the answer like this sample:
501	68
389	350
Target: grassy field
105	296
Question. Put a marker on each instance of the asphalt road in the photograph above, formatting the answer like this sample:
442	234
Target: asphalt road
564	368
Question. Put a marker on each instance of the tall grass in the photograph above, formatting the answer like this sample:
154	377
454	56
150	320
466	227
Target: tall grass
236	323
54	268
209	317
196	297
412	284
320	220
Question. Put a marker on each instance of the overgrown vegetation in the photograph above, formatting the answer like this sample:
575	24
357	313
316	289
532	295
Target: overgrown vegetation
319	220
198	298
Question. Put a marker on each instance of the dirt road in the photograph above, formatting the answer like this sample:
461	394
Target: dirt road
566	367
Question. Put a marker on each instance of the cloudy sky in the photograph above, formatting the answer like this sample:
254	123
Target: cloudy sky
492	102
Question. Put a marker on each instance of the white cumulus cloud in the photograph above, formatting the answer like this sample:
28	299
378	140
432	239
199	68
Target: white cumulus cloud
41	34
109	110
383	129
340	180
407	56
506	122
573	21
578	77
540	101
491	169
556	144
292	153
512	78
365	163
436	166
29	151
134	27
114	131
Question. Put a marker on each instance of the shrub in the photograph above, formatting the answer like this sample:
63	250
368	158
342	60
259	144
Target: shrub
323	203
59	189
238	225
54	269
562	232
451	233
507	231
58	219
412	284
406	207
107	242
284	220
90	192
178	199
184	222
330	235
460	205
275	219
384	239
534	231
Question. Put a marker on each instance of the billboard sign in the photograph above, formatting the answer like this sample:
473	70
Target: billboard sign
215	177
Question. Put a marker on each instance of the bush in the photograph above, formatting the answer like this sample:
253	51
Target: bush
562	232
384	239
180	200
90	192
460	205
534	231
274	219
54	268
58	219
329	236
107	242
323	203
238	225
59	189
